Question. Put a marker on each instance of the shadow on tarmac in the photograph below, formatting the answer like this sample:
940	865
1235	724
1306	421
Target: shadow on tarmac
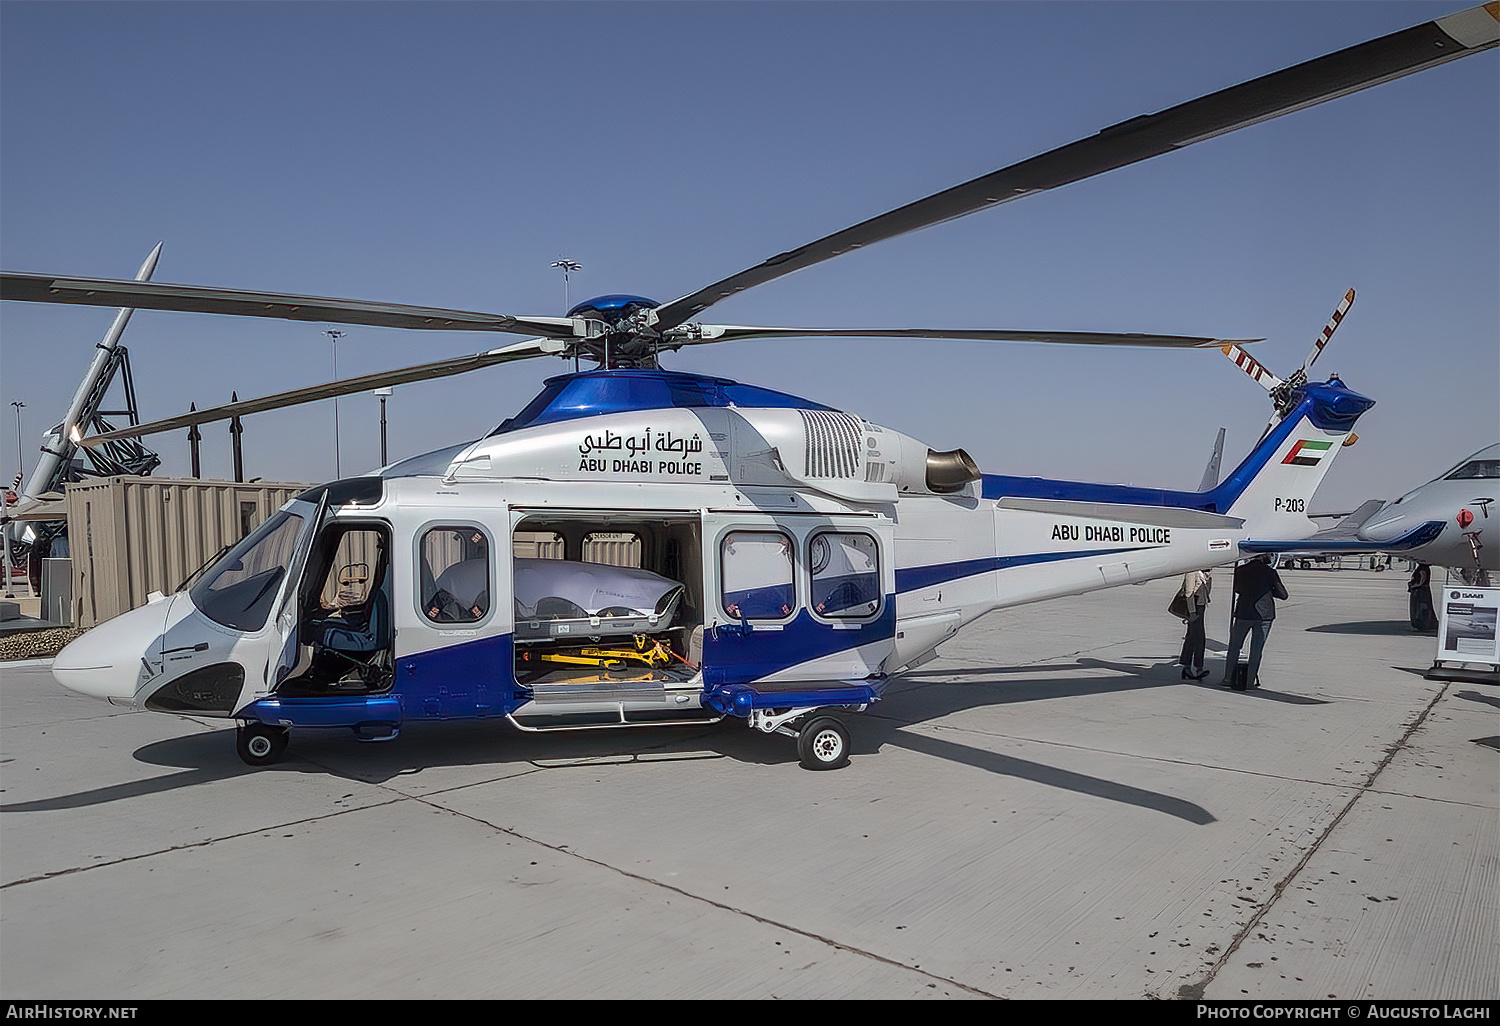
1385	628
209	756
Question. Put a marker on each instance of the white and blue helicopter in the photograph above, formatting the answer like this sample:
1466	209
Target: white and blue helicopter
643	547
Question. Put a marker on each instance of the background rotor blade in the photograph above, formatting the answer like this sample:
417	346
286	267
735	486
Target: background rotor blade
41	288
347	386
701	334
1149	135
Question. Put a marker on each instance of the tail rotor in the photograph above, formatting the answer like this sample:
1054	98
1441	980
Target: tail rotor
1283	391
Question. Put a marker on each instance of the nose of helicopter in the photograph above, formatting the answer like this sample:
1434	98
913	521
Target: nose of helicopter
106	662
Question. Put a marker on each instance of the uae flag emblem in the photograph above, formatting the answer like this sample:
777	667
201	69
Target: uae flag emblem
1307	454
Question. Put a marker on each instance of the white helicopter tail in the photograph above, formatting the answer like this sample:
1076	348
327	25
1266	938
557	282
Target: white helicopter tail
1272	489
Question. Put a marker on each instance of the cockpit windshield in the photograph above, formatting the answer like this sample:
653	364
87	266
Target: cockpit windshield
1474	470
239	589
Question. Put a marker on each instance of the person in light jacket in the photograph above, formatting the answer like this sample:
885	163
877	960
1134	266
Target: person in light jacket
1196	585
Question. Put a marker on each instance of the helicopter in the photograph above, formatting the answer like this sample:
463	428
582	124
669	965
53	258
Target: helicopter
644	547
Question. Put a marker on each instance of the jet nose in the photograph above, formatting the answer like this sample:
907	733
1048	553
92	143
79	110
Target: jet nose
106	662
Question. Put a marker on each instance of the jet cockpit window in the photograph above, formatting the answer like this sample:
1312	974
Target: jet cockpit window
239	590
756	580
845	571
455	575
1475	469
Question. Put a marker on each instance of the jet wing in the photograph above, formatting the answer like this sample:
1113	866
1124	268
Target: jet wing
1337	540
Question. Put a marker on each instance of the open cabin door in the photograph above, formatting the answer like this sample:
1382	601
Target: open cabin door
233	635
796	597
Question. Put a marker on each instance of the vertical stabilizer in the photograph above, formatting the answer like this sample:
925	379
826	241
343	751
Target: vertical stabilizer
1293	458
1215	460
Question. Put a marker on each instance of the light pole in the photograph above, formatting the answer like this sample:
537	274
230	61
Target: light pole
20	451
5	500
568	266
334	336
384	394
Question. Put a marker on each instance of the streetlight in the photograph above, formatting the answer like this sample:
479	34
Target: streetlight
384	394
20	453
5	500
334	336
567	266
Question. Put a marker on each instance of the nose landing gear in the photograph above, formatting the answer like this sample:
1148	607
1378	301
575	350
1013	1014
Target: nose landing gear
260	744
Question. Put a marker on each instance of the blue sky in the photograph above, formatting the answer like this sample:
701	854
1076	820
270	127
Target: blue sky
445	154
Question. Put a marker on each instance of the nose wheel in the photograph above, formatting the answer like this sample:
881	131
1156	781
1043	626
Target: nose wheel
260	744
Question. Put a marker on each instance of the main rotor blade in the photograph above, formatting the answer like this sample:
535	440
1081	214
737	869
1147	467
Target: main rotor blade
41	288
702	334
1149	135
347	386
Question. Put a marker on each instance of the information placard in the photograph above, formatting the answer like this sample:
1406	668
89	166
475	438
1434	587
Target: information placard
1466	625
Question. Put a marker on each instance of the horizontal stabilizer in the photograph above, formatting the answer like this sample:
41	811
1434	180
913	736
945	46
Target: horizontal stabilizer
1350	525
1326	542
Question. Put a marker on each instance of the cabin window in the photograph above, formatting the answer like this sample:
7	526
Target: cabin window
612	548
756	575
239	589
455	574
845	572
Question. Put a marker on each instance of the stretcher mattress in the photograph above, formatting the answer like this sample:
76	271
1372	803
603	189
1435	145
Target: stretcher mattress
560	598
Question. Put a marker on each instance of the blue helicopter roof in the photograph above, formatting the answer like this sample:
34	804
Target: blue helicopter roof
592	393
608	304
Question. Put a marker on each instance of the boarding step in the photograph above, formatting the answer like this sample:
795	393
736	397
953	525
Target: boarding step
554	692
541	719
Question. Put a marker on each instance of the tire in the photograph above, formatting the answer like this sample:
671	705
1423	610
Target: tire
259	744
823	744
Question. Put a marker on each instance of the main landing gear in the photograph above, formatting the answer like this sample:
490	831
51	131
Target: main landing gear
822	741
260	744
823	744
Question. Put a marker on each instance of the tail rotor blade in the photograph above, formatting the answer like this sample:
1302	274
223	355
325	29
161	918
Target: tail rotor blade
1328	330
1251	366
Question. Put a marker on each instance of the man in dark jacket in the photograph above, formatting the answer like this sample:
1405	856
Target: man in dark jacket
1257	586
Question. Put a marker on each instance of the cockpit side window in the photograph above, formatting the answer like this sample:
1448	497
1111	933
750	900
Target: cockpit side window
238	590
1475	470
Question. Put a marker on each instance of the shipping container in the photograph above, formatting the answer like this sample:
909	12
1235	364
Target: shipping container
130	536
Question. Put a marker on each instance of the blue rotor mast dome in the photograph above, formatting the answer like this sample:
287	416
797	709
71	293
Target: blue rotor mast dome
621	333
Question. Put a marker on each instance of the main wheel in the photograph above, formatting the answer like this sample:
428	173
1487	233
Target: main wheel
260	744
823	744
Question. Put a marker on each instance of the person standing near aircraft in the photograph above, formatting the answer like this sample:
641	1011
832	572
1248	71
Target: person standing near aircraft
1195	588
1257	586
1423	618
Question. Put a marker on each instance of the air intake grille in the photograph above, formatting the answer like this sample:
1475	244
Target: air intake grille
832	444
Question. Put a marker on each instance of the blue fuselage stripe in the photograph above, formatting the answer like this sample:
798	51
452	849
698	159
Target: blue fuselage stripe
913	578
